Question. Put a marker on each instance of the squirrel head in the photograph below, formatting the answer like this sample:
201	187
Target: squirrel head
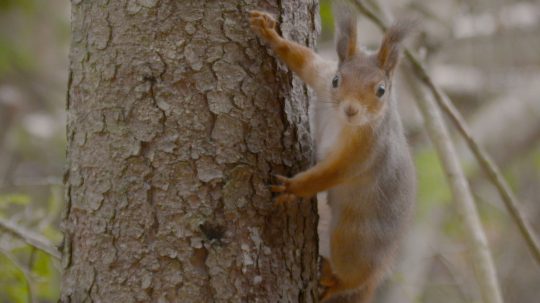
361	86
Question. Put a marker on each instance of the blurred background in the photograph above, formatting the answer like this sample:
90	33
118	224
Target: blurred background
484	53
34	40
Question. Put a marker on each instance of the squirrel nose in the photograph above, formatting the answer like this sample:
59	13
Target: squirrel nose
351	111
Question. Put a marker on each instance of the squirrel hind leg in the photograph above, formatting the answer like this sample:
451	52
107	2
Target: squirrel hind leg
326	276
337	291
340	295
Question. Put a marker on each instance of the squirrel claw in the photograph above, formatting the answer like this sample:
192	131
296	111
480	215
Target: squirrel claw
278	188
282	179
283	188
262	23
262	19
285	198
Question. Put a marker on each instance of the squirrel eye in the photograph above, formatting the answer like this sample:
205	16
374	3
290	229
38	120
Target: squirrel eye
335	81
380	90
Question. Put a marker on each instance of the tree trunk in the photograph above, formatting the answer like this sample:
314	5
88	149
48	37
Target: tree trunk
177	117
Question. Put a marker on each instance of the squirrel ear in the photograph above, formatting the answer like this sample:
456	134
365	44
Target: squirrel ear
346	29
388	54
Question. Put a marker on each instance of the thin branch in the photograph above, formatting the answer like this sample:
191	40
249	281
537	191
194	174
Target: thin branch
483	158
485	161
462	195
460	187
30	238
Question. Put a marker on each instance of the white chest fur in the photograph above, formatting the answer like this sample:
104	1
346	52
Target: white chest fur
325	125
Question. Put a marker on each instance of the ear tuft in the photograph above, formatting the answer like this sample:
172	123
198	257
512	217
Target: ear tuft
346	30
388	54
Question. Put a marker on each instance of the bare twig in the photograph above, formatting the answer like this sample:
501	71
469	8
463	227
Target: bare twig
462	195
485	161
460	187
30	238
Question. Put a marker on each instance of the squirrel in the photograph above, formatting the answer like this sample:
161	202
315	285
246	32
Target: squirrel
363	159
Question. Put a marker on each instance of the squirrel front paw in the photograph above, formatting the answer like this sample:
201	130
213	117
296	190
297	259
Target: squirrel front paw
291	188
284	189
263	24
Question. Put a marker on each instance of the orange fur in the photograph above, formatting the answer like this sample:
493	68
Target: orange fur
355	146
296	56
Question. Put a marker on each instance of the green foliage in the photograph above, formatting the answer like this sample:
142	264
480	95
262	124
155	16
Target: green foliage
12	57
47	275
14	288
43	275
432	184
530	161
15	52
10	203
536	159
327	19
21	4
16	256
14	199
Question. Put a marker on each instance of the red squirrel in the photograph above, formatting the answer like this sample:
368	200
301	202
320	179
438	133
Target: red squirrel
363	159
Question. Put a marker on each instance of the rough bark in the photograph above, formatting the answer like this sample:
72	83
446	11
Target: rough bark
177	117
